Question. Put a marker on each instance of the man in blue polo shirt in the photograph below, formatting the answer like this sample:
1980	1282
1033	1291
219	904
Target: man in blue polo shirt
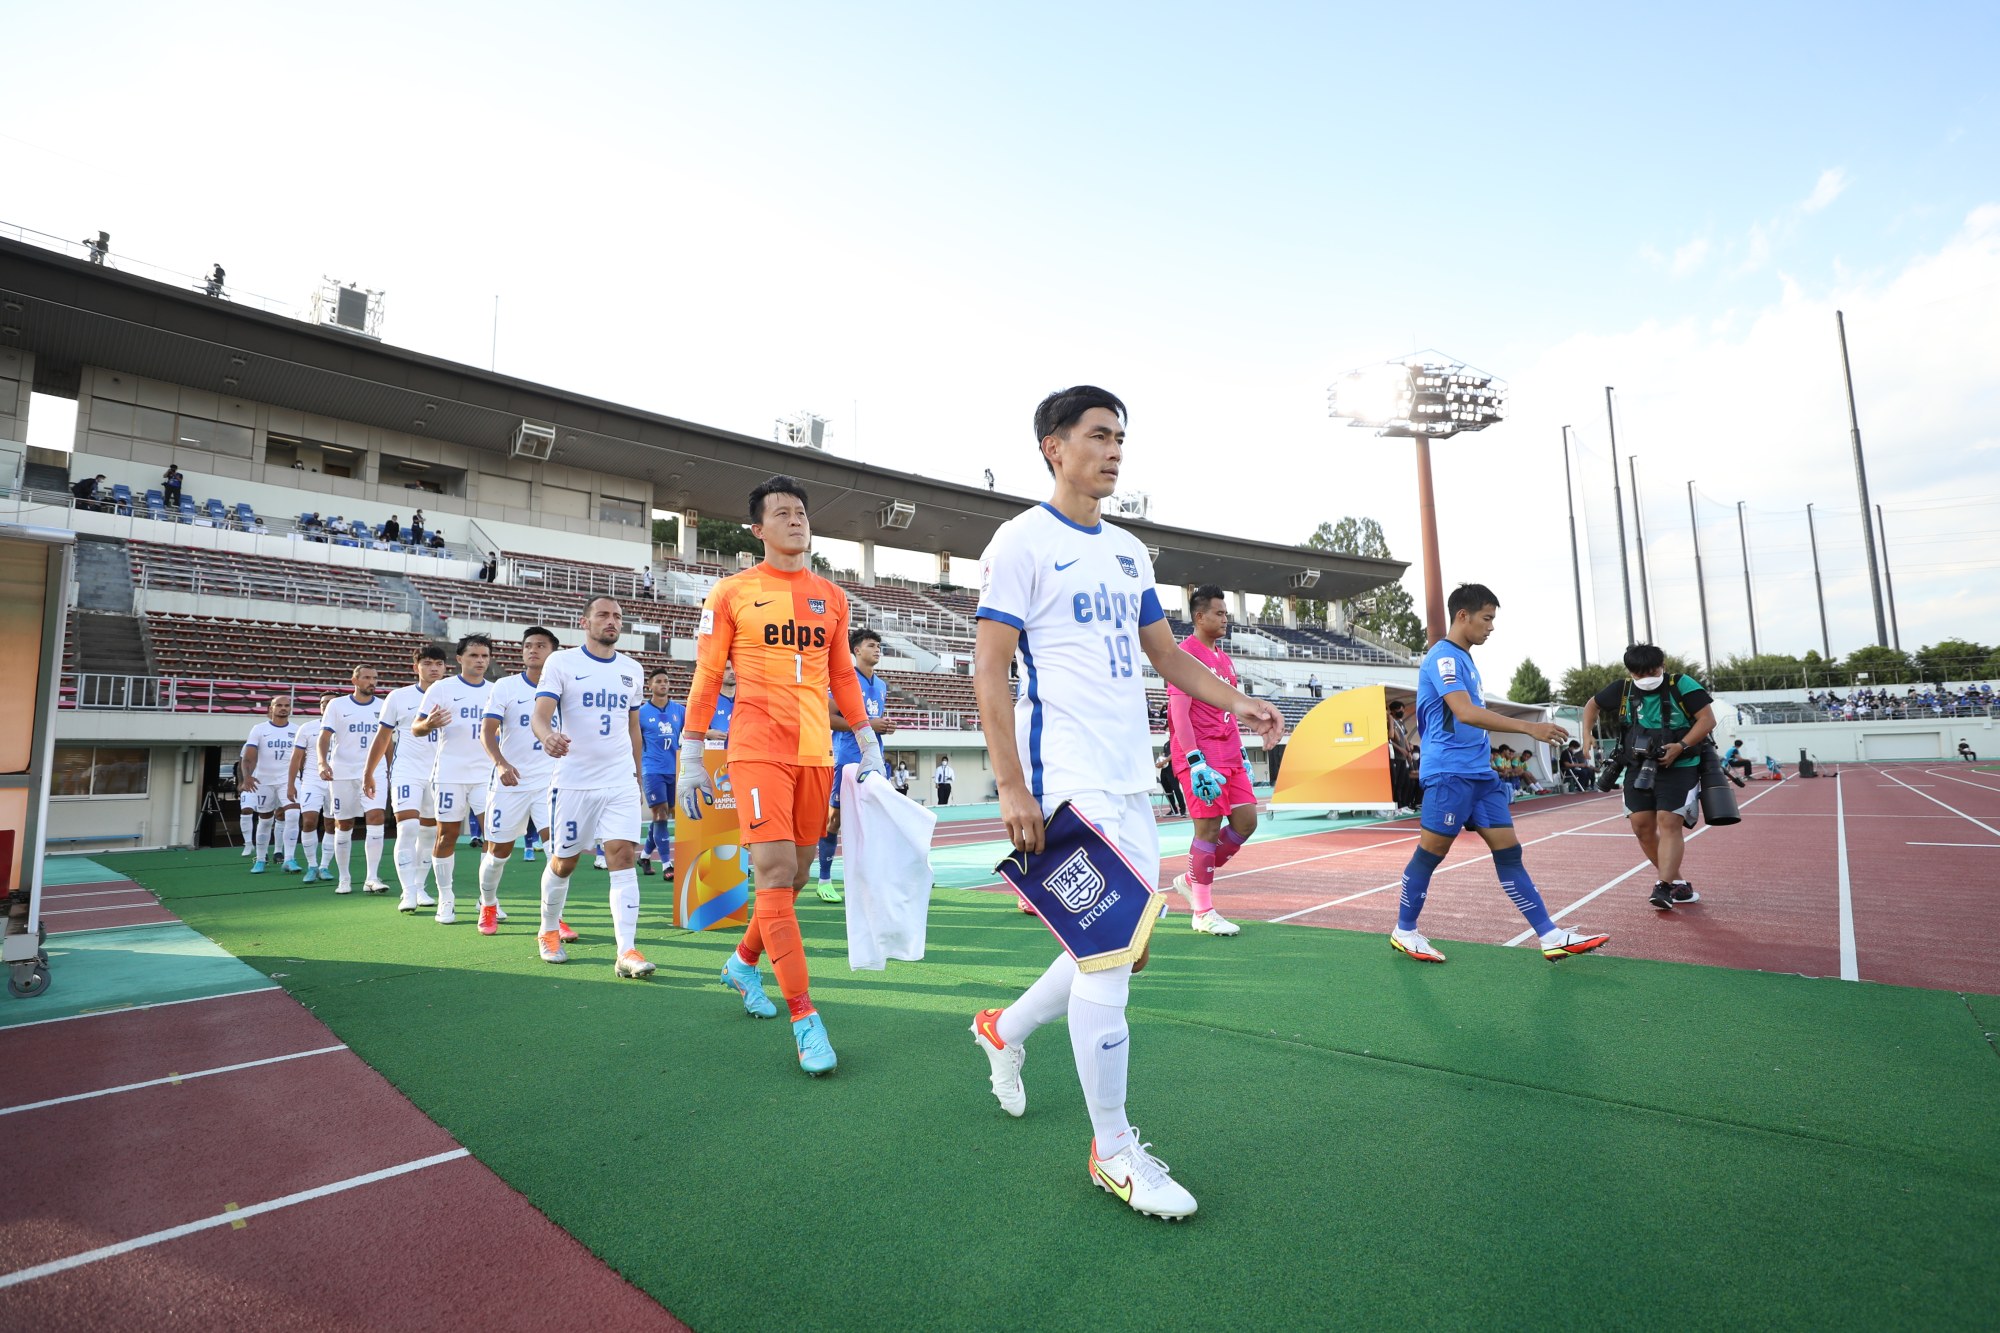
1461	790
866	645
660	720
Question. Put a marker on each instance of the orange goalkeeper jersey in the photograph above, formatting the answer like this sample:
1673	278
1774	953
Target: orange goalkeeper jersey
786	633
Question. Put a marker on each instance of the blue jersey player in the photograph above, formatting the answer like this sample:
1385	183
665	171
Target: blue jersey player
661	718
1461	790
866	645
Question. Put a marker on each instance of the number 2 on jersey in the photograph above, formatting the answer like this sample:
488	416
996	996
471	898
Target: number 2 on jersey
1118	647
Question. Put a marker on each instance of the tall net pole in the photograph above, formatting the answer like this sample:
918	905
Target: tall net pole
1895	630
1575	561
1819	589
1749	599
1861	483
1639	537
1700	586
1618	502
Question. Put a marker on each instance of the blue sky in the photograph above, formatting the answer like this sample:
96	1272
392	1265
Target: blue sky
917	219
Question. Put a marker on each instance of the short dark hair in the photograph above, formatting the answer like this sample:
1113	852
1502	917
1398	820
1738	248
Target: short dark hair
1065	407
471	639
1643	659
1202	596
1470	598
542	632
861	636
430	652
595	599
778	485
657	672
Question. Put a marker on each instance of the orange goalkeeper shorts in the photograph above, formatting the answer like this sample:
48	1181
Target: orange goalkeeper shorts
780	802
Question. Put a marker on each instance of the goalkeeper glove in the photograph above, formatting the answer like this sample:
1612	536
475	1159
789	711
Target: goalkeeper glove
1203	781
871	755
694	782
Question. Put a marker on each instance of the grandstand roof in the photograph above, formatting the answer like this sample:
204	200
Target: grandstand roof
75	314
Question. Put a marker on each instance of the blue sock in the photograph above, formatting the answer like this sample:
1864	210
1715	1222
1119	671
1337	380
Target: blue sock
660	841
534	838
826	858
1416	886
1521	889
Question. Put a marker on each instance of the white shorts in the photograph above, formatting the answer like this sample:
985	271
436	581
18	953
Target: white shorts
585	817
268	799
456	800
312	798
347	802
508	810
410	789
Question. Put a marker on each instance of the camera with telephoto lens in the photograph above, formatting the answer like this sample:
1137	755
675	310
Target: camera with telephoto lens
1718	802
1647	770
1614	769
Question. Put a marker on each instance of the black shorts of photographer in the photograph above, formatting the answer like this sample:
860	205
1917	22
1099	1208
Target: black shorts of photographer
1662	719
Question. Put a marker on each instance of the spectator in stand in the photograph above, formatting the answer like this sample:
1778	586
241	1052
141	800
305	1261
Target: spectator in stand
436	541
1966	752
941	779
86	494
392	531
417	528
646	580
1176	804
170	486
1313	685
359	530
490	571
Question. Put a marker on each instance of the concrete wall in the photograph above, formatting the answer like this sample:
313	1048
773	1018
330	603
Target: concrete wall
1853	742
164	817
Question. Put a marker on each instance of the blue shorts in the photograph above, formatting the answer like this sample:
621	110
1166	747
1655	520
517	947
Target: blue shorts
659	788
839	772
1454	802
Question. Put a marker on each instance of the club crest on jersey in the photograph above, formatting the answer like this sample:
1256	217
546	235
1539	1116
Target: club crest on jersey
1129	565
818	605
1076	882
625	680
707	625
1448	669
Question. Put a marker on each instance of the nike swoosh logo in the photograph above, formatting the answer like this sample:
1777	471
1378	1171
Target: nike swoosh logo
759	823
766	602
1061	567
1123	1191
1113	1045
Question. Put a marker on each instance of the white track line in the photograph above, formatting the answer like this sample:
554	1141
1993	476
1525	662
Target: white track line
170	1078
1954	809
136	1008
233	1215
1990	846
116	907
49	896
1850	968
1964	782
1612	884
1398	883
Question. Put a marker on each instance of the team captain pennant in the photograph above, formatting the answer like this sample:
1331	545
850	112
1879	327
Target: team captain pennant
1085	891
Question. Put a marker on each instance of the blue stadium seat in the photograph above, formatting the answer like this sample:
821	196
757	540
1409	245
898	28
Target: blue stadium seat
121	497
246	517
187	510
214	512
156	504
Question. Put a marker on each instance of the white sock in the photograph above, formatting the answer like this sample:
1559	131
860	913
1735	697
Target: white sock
408	855
326	838
625	908
248	823
262	838
291	834
555	892
373	844
441	867
489	880
1101	1042
343	846
1043	1002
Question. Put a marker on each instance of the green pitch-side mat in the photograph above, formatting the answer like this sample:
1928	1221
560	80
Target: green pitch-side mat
1607	1142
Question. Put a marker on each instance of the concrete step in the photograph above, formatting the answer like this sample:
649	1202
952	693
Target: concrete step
103	575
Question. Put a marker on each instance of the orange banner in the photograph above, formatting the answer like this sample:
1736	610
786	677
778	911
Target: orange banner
1338	755
711	867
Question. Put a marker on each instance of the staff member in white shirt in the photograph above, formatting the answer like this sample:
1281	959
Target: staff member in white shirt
941	779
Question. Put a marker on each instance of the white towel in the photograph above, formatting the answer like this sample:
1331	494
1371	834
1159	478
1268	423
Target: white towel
887	870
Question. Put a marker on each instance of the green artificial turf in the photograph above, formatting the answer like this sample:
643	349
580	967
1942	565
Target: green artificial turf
1499	1142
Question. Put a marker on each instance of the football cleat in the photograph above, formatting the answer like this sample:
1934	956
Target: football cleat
1027	910
424	899
499	912
667	872
826	891
815	1051
342	887
562	929
551	947
1212	923
489	919
374	886
291	865
1684	893
1415	945
1006	1061
311	875
407	904
246	849
447	911
632	963
257	866
598	862
646	865
742	978
1140	1180
1663	896
1569	943
527	853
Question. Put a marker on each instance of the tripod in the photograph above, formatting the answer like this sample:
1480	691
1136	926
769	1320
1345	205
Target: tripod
211	804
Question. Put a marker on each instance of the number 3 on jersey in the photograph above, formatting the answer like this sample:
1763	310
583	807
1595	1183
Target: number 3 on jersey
1118	648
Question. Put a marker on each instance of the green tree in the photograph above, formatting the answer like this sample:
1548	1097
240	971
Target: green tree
1272	612
1387	610
1883	666
1530	686
1580	683
666	532
1765	671
1951	659
1991	671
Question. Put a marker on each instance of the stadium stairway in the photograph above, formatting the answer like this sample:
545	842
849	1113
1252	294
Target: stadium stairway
112	645
424	618
45	477
103	576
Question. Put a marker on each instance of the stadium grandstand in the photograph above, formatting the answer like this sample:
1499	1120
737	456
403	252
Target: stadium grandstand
273	567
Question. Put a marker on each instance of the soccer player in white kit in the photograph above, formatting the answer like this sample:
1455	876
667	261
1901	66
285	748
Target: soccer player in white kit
596	690
263	780
409	775
344	739
308	792
454	710
1073	597
521	773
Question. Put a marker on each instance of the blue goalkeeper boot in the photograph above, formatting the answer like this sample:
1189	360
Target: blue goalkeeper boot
742	978
815	1051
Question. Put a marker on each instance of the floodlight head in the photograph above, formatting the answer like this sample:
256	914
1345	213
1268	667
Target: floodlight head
1418	397
896	515
1372	396
1305	578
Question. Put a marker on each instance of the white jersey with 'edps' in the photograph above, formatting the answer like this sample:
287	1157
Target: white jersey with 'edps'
512	703
595	697
461	758
352	725
274	754
400	710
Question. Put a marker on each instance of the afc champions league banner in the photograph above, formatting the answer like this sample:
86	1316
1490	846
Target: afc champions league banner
1338	755
711	867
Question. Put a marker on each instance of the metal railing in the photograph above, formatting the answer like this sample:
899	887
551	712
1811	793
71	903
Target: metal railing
1802	714
932	720
131	694
297	591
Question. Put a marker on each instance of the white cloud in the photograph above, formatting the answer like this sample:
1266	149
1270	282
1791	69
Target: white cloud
1827	189
1689	257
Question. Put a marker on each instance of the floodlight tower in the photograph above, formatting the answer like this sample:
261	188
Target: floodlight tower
1422	397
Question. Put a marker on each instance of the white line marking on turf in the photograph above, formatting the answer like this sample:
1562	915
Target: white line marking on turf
1954	809
136	1008
1398	883
170	1078
1850	969
1606	887
226	1218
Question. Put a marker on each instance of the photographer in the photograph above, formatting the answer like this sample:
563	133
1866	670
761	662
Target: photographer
1662	720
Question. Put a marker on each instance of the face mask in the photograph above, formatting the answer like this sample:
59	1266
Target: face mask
1649	682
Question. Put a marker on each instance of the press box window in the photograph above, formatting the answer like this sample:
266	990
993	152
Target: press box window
97	770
